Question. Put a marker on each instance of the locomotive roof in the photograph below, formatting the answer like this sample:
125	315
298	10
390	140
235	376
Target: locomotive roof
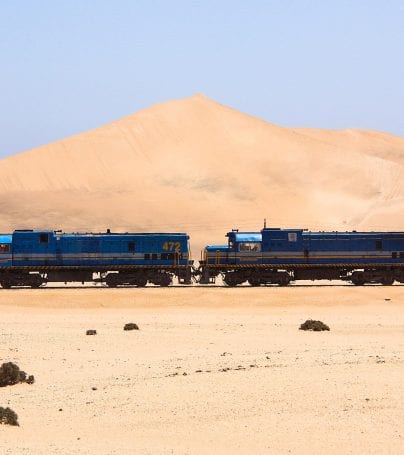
306	231
97	233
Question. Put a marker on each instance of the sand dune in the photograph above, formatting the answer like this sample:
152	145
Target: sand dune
197	166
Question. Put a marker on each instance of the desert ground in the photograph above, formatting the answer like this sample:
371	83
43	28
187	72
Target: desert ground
211	370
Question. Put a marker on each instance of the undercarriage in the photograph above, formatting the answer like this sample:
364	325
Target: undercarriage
139	277
257	276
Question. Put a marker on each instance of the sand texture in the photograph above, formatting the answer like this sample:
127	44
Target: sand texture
197	166
211	370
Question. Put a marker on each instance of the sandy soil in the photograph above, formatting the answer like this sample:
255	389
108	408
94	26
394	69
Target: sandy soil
211	370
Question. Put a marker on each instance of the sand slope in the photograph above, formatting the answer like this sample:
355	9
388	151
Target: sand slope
197	166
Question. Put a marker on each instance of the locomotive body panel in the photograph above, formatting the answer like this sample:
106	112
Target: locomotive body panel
47	248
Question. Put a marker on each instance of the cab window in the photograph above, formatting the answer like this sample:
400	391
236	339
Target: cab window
249	247
4	248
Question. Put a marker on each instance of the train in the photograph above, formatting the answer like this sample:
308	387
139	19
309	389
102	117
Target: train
270	256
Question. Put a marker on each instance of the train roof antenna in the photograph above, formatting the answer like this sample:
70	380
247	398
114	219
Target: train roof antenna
265	223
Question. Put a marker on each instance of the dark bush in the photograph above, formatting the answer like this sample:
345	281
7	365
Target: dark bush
315	326
8	417
11	374
91	332
131	326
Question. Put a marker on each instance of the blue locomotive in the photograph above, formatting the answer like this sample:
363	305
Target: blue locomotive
271	256
278	256
32	258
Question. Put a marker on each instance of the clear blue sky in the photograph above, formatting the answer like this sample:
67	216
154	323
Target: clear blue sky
70	65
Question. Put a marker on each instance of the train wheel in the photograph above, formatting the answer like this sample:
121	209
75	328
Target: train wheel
387	280
230	280
358	279
284	280
141	282
165	280
111	281
254	281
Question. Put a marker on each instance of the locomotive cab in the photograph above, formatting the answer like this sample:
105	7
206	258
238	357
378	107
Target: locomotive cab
244	246
5	250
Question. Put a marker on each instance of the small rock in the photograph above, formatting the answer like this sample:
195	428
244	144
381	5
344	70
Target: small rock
93	388
91	332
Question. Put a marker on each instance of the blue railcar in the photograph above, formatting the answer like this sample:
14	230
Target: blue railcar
35	257
281	255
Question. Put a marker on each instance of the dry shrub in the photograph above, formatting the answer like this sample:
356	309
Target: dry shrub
315	326
11	374
131	326
8	417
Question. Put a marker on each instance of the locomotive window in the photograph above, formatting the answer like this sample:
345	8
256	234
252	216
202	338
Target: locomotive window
4	248
43	238
131	247
254	247
379	245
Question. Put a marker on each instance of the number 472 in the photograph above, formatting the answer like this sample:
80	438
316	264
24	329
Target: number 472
172	246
